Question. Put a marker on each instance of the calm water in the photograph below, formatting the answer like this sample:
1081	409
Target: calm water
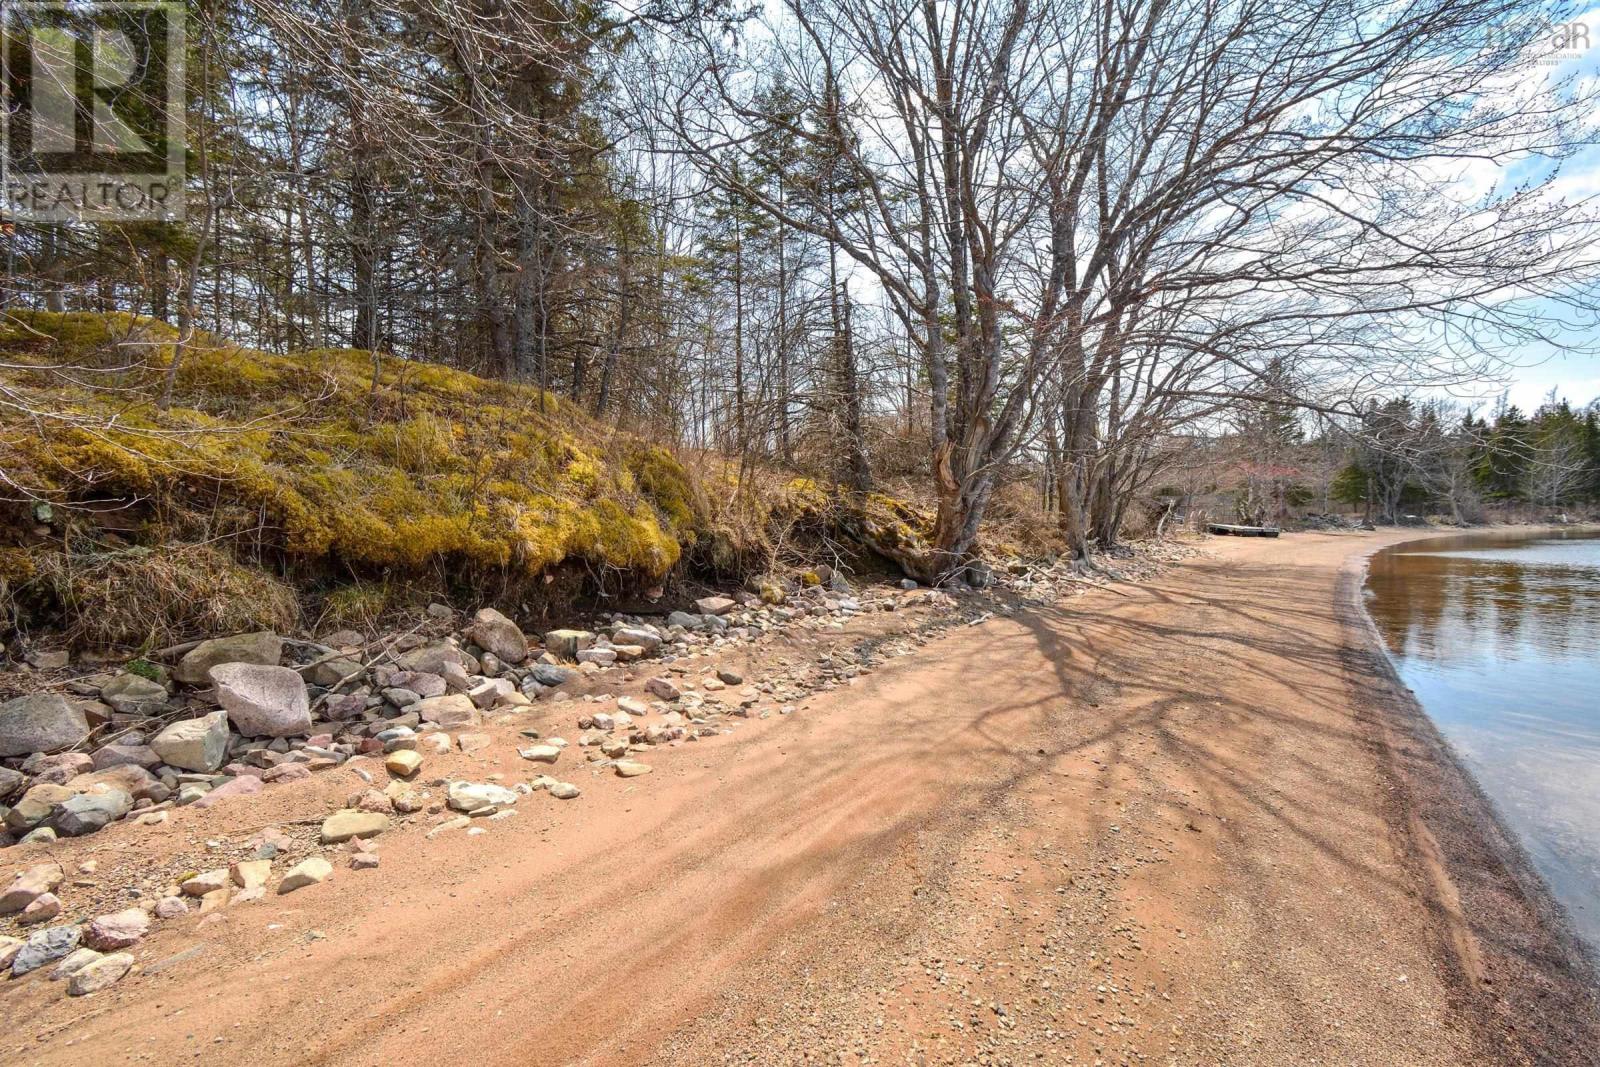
1499	637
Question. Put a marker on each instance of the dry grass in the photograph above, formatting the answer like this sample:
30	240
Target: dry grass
145	597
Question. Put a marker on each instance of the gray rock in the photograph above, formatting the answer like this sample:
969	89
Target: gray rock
131	694
686	620
131	779
194	744
87	812
490	691
44	947
263	648
471	796
449	712
334	672
493	632
42	722
12	783
665	688
109	756
549	674
35	806
263	701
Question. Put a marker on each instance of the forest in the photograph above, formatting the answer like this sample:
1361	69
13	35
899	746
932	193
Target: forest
925	267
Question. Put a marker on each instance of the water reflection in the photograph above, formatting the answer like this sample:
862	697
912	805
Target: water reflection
1499	637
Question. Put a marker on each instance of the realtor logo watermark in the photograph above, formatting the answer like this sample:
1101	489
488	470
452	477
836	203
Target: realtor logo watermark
94	110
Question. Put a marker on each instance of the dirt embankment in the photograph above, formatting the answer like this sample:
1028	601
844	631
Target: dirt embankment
1191	823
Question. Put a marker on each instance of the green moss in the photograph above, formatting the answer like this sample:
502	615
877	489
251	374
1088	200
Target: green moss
309	455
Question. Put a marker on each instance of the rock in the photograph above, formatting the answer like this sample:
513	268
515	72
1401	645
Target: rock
263	701
432	658
115	755
12	783
633	705
630	769
206	882
120	929
133	780
36	806
242	786
665	688
171	907
490	691
421	683
42	908
73	962
194	744
452	711
493	632
564	791
44	947
131	694
43	722
29	885
639	637
540	753
364	861
437	743
264	649
470	743
307	872
250	874
84	813
628	653
286	772
9	947
600	657
403	763
566	644
715	605
101	974
728	677
548	674
468	797
614	748
686	620
57	769
343	825
334	672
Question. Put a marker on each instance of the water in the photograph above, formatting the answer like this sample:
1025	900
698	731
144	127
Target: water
1499	637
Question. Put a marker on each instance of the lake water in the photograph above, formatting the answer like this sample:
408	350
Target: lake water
1499	637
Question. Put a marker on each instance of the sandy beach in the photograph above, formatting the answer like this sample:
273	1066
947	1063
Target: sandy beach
1191	822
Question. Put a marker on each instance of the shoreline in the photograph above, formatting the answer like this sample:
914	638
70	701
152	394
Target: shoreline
1505	937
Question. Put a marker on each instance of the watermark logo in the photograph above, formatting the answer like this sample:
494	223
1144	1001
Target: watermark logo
1549	44
94	110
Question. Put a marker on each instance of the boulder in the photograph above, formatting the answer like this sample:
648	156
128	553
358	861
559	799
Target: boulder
243	785
715	605
493	632
422	683
44	947
432	658
115	755
566	644
12	783
263	701
133	780
341	826
638	636
84	813
120	929
469	797
29	885
549	674
452	711
490	691
306	872
403	763
100	974
264	649
57	769
665	688
36	806
194	744
42	722
131	694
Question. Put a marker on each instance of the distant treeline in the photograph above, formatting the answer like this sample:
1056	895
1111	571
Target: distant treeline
1421	457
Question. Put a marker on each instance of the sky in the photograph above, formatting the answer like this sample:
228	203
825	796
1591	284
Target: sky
1573	376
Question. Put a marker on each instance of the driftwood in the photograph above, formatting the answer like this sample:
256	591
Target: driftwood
1230	530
